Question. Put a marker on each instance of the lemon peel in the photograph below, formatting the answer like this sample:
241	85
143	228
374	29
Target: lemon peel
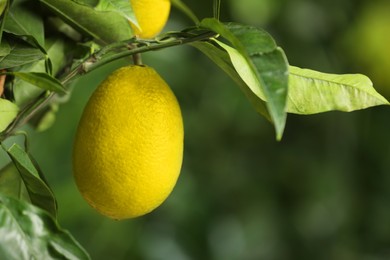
152	15
128	148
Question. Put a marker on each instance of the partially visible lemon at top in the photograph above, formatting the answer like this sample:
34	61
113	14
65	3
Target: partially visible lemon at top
129	144
152	15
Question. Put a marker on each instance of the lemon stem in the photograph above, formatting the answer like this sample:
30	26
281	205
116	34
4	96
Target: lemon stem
137	59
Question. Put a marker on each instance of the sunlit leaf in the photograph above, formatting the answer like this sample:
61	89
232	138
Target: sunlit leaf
27	232
104	27
39	192
313	92
265	59
221	58
8	112
122	7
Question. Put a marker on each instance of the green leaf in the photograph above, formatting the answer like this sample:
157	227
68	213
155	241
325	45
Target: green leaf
185	9
23	91
3	4
5	49
265	59
27	232
313	92
222	59
11	184
38	190
104	27
41	80
22	20
8	112
121	7
20	53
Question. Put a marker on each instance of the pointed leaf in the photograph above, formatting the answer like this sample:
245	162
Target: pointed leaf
8	112
41	80
265	59
221	58
39	192
27	232
313	92
104	27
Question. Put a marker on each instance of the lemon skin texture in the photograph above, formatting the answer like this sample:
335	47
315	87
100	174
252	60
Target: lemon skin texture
128	147
152	15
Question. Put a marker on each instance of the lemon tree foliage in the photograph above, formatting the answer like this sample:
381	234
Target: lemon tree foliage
46	45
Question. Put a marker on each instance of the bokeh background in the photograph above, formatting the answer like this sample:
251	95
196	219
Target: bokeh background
323	192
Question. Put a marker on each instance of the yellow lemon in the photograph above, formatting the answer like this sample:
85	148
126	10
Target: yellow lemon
129	144
152	15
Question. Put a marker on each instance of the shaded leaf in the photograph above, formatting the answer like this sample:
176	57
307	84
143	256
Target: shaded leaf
104	27
5	49
221	58
24	91
22	20
27	232
265	59
185	9
313	92
20	53
39	192
41	80
8	112
11	184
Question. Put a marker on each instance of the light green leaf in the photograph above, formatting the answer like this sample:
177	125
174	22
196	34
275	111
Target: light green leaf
122	7
265	59
39	192
3	4
103	27
313	92
8	112
5	49
221	58
27	232
41	80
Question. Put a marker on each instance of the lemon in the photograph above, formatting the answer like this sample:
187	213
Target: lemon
152	15
128	147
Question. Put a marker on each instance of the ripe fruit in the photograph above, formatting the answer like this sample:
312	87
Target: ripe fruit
152	15
129	144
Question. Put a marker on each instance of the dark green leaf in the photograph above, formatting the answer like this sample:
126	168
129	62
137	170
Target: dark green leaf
27	232
20	54
185	9
8	112
22	20
266	61
313	92
11	184
39	192
104	27
222	59
41	80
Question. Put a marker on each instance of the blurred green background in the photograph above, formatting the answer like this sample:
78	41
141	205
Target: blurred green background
323	192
